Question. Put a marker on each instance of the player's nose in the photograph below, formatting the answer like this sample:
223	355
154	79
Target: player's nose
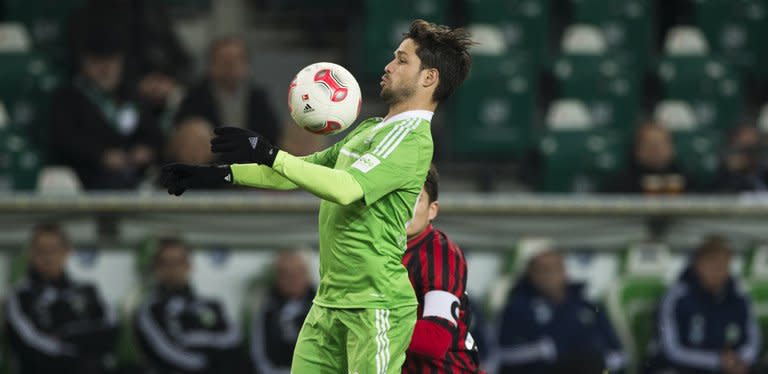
388	67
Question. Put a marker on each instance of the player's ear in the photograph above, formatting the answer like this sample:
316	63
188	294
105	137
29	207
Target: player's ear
430	77
434	208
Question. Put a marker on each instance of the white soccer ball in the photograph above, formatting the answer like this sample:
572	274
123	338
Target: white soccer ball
324	98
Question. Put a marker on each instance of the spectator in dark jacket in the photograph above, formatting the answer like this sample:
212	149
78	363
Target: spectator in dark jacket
547	322
226	97
53	323
744	167
180	331
705	321
275	327
158	64
652	168
97	128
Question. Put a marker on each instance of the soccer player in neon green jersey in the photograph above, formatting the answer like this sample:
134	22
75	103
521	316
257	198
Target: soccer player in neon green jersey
364	312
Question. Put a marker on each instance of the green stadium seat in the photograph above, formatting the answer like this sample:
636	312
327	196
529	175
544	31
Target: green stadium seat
635	301
46	21
385	23
708	84
19	162
27	83
758	291
494	111
609	86
580	160
698	154
525	24
632	301
736	30
628	26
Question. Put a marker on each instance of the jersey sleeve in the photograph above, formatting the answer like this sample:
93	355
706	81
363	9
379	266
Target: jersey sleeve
438	271
327	157
395	161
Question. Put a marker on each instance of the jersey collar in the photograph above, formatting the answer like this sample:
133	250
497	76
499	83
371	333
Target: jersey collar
418	238
423	114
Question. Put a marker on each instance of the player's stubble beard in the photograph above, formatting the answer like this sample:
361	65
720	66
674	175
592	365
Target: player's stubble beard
393	96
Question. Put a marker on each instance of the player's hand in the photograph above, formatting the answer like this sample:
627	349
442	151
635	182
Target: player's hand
241	145
177	178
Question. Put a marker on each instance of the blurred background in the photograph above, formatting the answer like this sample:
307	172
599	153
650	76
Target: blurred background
626	137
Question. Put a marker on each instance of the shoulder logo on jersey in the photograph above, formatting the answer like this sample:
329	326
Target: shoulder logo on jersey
366	163
254	141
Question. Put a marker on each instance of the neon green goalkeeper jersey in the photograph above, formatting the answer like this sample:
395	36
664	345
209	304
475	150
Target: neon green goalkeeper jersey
362	244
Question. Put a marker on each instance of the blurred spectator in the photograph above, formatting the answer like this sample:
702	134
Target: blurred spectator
53	323
276	326
744	167
705	321
190	142
97	129
652	168
158	64
180	331
549	325
226	97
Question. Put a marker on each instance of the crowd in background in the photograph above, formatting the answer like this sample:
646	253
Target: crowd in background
130	101
704	323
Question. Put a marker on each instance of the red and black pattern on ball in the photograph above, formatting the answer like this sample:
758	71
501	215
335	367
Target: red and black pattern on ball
328	79
328	127
436	263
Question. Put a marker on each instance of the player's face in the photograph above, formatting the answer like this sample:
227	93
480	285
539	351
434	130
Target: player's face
48	255
172	267
424	214
401	76
547	272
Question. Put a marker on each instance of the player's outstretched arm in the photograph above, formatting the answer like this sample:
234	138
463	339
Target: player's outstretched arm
269	167
334	185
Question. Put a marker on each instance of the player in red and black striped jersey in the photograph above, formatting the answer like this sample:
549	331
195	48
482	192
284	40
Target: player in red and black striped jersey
441	341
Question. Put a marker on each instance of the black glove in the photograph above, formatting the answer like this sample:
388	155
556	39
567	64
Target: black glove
178	177
241	145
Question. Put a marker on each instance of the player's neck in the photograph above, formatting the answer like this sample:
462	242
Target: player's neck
405	106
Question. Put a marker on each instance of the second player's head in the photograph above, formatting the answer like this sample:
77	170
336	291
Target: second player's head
429	64
426	206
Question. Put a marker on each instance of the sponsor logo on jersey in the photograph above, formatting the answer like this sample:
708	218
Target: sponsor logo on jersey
366	163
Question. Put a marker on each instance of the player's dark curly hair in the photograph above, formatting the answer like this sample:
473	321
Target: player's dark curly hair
431	184
444	49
